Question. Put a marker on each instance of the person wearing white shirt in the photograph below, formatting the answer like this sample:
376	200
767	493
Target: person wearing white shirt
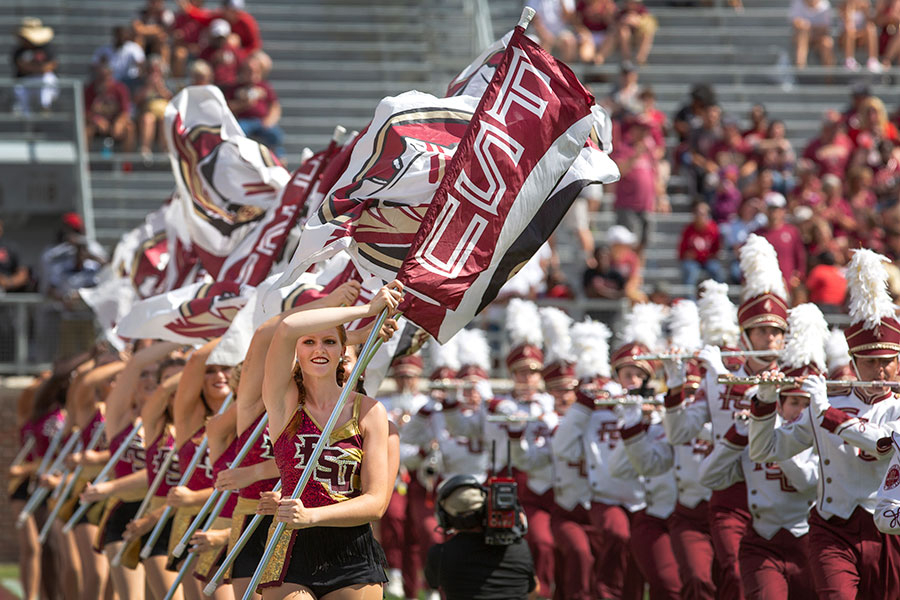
123	56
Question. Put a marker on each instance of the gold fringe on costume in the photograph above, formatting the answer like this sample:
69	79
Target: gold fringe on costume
132	556
180	523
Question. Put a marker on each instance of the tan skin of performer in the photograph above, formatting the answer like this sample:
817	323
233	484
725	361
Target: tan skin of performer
313	337
134	385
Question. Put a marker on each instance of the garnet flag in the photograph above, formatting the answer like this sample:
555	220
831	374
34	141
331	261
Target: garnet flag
496	204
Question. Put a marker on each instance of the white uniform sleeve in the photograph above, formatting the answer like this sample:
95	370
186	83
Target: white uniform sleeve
722	468
865	435
771	444
802	470
683	423
463	423
887	508
650	455
418	432
530	455
619	465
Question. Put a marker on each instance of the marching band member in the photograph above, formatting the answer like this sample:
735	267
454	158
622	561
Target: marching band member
329	544
837	353
848	431
887	510
651	455
774	552
123	492
576	540
762	317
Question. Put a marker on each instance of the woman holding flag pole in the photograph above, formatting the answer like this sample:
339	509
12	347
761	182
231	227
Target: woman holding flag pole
330	546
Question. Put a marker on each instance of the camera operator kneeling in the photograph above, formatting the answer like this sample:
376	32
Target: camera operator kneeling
472	565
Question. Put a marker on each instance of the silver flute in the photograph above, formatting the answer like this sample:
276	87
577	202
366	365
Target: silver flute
724	353
784	381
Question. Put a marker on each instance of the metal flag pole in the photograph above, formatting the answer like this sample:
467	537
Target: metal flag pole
95	440
214	497
368	351
238	546
103	476
23	451
55	441
145	503
40	494
185	477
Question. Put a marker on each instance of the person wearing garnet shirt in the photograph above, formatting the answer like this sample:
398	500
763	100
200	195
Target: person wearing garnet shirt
242	23
699	247
826	283
108	109
223	53
256	107
832	149
786	240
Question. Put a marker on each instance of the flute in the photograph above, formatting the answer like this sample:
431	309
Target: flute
724	354
462	384
795	381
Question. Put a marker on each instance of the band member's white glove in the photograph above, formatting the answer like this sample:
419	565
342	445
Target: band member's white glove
742	423
674	371
814	385
712	359
631	413
768	392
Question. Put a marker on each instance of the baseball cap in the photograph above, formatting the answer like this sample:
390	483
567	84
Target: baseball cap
774	200
73	221
219	28
619	234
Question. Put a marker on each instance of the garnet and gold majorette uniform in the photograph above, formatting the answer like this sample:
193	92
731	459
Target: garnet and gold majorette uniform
206	561
248	499
324	559
121	508
92	516
201	479
42	430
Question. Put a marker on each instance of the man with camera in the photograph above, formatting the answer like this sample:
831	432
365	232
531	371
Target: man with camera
486	557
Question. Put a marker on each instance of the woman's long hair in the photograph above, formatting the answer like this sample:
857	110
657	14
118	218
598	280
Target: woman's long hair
339	374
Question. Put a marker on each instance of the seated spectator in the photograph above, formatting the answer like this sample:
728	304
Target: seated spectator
224	53
595	25
186	37
732	150
108	110
699	247
151	101
242	23
256	107
624	260
808	187
655	119
636	192
776	154
887	19
886	182
623	99
728	197
14	275
690	116
124	57
552	24
34	66
699	157
835	209
830	151
635	23
748	219
200	73
826	283
872	128
811	20
859	30
786	240
759	125
601	280
73	262
151	29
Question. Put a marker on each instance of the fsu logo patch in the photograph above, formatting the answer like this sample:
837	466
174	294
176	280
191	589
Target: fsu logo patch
892	479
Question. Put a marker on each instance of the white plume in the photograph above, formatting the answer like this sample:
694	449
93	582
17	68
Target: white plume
806	337
523	323
837	352
644	324
590	343
444	355
718	316
555	326
867	278
759	264
684	325
473	348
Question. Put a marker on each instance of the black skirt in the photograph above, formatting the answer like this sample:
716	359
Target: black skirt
246	562
118	520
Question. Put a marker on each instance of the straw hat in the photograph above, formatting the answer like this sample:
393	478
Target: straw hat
33	31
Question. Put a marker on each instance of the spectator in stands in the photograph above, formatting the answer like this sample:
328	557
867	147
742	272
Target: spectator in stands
759	125
186	38
242	23
595	24
34	66
151	28
73	262
835	209
699	157
601	280
728	196
200	73
636	192
108	110
14	275
635	25
699	247
886	183
873	127
786	240
887	19
552	24
690	117
223	53
811	20
255	105
859	29
832	149
151	101
776	154
749	218
826	283
124	56
624	98
624	260
807	187
732	150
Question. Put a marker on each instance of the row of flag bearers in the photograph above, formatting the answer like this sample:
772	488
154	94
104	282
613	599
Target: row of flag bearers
639	461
